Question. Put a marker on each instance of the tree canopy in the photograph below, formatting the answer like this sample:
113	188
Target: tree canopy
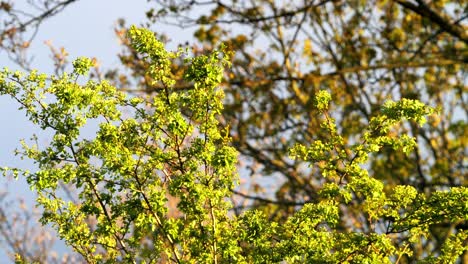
324	106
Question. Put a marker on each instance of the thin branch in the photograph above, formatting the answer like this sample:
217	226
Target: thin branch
245	19
51	12
264	200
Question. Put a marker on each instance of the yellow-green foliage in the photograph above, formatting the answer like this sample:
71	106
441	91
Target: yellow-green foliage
170	146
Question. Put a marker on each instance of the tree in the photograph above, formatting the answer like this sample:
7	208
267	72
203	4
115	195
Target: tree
364	53
148	149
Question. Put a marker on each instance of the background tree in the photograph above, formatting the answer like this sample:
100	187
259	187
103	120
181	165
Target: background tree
364	52
21	21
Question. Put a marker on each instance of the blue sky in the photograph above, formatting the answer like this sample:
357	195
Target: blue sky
84	29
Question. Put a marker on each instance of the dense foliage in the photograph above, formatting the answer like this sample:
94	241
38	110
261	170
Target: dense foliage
152	149
364	53
378	181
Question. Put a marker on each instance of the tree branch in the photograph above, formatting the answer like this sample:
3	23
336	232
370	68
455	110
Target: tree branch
425	11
